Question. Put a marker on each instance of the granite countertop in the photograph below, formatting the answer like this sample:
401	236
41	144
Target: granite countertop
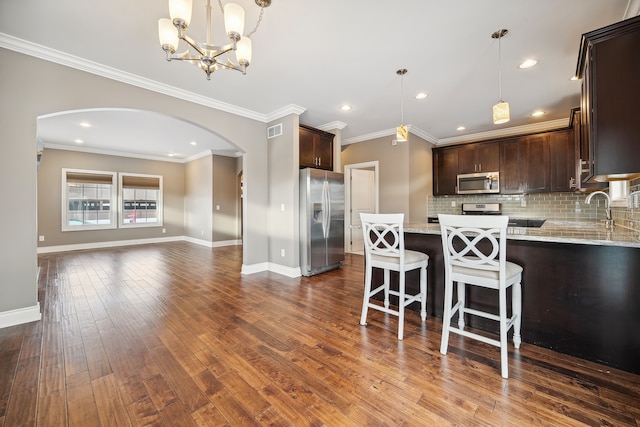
558	231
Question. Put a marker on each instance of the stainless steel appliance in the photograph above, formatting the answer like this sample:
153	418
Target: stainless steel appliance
481	209
321	220
479	183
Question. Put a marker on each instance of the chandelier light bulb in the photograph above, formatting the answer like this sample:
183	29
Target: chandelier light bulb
168	35
234	20
243	51
180	11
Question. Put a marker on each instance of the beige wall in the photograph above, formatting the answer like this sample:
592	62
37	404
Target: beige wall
31	87
198	199
225	193
284	163
50	196
405	173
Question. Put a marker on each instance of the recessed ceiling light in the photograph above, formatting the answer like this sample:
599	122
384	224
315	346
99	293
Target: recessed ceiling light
171	154
421	95
537	113
78	141
460	128
528	63
193	143
345	107
85	124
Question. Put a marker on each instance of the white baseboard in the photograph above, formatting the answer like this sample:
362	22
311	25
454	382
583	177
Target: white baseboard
269	266
284	270
254	268
212	244
116	243
20	316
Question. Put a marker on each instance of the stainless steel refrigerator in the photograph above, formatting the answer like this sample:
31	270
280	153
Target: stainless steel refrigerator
321	220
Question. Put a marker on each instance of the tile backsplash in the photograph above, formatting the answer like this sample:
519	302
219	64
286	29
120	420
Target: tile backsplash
551	206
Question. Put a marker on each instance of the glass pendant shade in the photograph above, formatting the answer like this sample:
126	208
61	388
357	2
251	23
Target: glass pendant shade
243	51
402	133
234	19
501	112
181	10
168	34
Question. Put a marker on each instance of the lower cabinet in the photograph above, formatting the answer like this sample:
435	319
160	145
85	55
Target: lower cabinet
566	304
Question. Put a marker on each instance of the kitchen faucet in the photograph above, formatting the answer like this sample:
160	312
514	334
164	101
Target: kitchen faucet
607	206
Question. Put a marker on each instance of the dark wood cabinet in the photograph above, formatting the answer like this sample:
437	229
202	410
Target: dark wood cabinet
316	148
562	161
609	65
445	171
525	165
479	157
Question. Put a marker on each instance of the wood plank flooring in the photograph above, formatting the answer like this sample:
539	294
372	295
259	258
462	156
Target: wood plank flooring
172	335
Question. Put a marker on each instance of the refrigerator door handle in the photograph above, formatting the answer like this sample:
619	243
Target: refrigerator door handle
328	216
325	209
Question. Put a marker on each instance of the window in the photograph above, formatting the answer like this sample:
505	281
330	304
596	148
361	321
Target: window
87	200
140	200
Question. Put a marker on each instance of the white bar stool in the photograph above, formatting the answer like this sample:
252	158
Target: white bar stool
468	264
384	248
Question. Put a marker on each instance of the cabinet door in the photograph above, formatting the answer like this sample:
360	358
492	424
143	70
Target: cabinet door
307	154
562	161
323	149
445	171
488	157
535	159
480	157
467	159
510	169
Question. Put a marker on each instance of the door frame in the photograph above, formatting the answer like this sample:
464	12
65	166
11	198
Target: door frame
347	195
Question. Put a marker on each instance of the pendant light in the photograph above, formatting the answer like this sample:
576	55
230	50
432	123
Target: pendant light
501	109
402	133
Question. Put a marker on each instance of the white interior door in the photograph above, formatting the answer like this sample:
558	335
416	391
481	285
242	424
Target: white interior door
362	200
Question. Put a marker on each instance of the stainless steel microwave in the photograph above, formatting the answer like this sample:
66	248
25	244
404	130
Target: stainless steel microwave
479	183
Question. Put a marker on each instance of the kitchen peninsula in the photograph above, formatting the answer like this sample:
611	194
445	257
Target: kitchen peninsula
580	293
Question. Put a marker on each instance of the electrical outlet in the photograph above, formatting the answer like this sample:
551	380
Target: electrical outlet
523	203
282	207
453	203
41	238
282	252
164	230
217	207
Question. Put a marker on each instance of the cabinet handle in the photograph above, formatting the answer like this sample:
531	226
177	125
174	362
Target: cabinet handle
479	167
572	183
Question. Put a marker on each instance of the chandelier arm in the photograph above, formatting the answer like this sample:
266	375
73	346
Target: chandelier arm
194	44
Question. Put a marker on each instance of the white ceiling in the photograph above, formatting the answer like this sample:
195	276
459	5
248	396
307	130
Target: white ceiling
319	55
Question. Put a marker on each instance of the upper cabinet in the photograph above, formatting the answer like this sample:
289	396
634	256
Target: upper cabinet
445	171
562	161
316	148
609	65
480	157
525	165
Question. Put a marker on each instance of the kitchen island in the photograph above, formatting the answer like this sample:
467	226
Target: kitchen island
580	290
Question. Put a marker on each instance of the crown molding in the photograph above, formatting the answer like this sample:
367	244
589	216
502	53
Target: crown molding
333	125
284	111
112	153
512	131
62	58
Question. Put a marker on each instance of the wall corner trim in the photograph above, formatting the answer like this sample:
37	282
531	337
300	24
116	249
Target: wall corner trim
20	316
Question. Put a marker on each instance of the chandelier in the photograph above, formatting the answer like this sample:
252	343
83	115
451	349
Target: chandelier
207	56
501	109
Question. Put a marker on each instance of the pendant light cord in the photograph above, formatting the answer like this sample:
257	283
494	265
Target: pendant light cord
500	64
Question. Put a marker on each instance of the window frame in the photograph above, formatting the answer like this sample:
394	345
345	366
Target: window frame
113	198
159	202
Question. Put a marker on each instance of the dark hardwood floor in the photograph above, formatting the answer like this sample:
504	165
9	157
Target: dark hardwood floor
171	334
